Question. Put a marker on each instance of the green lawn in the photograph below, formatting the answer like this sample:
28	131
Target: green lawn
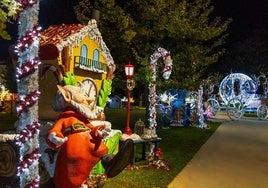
178	145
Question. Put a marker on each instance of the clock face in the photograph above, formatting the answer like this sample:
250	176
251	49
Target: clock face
88	86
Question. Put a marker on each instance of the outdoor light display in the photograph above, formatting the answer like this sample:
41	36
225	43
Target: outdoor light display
27	82
166	98
200	110
164	107
262	80
160	52
237	85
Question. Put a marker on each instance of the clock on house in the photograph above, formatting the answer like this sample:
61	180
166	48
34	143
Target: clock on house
89	87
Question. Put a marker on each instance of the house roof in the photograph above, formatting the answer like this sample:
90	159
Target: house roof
55	33
52	36
56	37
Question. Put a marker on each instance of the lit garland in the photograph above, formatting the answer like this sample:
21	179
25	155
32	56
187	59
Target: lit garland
27	78
28	133
27	68
26	102
24	4
28	161
28	38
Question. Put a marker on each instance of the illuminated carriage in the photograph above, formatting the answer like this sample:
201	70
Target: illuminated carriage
238	94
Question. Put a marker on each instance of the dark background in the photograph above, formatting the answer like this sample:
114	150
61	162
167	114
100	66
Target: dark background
247	15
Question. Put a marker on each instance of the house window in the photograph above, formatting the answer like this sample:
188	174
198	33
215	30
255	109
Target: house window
84	52
94	64
96	57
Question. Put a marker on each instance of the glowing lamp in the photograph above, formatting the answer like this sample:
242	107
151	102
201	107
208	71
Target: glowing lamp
129	70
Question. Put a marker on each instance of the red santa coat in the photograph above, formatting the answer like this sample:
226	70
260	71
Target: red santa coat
79	154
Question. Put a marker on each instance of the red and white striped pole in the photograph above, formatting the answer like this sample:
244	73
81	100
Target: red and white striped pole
27	82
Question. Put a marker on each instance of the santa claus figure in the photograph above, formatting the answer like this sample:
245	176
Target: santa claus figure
80	141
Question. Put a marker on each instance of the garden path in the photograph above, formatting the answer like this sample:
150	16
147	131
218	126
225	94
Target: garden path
235	156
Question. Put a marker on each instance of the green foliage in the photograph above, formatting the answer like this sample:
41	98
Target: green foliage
69	79
3	73
6	76
8	11
134	29
83	11
4	93
104	92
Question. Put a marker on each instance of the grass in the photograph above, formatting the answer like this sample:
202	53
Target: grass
179	144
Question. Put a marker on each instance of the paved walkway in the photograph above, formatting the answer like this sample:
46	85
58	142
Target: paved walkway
235	156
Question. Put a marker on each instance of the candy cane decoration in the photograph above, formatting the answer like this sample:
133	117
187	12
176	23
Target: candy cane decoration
160	52
27	81
200	110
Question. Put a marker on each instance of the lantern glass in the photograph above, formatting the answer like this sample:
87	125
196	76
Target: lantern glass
129	70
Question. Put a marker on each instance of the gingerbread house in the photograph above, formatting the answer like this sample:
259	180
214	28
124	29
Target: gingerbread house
74	48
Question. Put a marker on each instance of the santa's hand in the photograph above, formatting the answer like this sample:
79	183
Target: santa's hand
99	132
55	139
103	133
106	130
107	126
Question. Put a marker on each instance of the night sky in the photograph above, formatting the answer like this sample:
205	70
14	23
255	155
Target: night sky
247	15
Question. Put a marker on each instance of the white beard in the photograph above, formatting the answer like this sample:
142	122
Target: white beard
89	112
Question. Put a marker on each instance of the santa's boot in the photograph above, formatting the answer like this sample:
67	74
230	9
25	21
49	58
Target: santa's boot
114	164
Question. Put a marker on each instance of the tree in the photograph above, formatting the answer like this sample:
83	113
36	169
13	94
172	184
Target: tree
6	76
8	11
134	29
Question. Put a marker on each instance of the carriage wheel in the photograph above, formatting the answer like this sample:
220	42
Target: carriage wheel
235	109
8	160
262	112
215	106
